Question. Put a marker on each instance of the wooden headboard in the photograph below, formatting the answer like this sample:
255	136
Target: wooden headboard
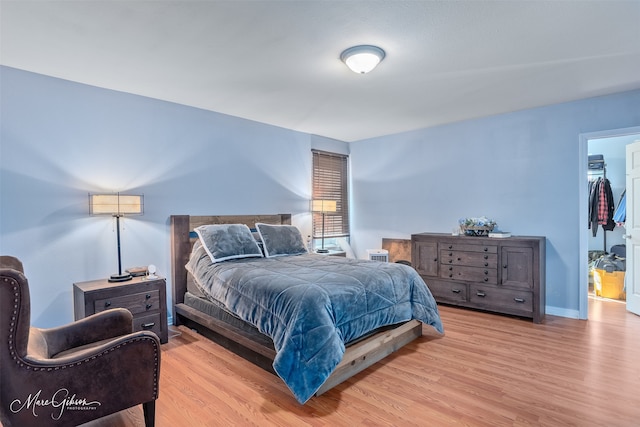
182	241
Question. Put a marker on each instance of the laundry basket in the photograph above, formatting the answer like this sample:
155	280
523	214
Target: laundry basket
608	277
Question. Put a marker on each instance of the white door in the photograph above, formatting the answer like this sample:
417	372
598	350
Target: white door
632	226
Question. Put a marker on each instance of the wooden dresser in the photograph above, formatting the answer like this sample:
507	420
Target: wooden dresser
144	298
503	275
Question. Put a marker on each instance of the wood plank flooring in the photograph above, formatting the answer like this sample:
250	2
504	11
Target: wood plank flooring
488	370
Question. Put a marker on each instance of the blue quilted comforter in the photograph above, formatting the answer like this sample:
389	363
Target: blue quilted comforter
311	305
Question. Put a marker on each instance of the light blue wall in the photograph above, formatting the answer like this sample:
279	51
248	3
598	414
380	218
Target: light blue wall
521	168
61	140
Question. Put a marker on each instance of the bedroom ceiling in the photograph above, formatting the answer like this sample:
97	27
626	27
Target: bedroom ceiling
277	62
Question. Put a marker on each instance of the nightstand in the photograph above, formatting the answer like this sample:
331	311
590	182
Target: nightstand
333	253
145	298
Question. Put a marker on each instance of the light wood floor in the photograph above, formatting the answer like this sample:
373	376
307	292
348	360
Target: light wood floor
488	370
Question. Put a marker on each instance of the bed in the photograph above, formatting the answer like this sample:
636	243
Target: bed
237	311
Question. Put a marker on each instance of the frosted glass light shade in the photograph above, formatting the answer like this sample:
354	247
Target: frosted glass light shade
362	59
115	204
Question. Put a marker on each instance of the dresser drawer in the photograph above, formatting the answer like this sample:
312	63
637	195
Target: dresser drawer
150	322
470	274
470	259
506	300
468	247
448	291
137	303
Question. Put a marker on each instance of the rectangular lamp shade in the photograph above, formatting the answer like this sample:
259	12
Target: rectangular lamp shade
115	204
323	205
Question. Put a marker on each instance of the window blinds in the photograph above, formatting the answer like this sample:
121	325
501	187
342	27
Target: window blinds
330	179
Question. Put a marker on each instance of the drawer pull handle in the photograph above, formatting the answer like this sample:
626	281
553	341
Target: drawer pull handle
147	296
107	304
520	300
455	291
481	294
148	325
149	306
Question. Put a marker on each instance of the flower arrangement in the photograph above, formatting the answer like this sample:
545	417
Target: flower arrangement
476	226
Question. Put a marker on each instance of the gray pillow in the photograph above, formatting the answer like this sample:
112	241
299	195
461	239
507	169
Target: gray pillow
279	240
228	241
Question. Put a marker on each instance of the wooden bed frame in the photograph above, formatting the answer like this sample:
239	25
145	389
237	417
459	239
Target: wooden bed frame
357	357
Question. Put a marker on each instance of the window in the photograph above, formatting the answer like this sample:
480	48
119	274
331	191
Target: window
330	178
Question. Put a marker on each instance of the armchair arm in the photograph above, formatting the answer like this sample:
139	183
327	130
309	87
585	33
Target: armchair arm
97	327
82	354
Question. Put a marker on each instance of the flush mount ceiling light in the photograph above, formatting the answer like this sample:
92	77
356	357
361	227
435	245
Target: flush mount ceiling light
362	59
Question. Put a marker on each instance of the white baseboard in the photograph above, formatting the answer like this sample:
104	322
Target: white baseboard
562	312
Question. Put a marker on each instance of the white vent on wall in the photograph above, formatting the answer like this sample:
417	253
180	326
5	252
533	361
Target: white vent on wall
378	255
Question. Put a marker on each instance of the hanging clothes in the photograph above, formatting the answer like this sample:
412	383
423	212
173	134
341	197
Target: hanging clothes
601	205
620	215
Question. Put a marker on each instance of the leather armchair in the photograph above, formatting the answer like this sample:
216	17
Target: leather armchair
72	374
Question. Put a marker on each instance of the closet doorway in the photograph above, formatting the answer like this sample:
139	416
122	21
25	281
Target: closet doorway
603	272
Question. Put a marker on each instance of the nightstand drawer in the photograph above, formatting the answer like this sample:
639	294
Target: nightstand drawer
148	323
142	302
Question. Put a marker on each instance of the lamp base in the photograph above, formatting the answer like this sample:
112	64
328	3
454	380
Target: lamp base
120	277
322	251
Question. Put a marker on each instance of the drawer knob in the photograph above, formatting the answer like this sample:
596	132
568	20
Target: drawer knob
481	294
486	264
148	325
486	279
435	259
504	266
451	275
450	261
486	249
520	300
450	246
450	253
149	306
147	296
486	257
450	268
107	304
455	291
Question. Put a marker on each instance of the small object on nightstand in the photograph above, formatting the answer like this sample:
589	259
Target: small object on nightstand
144	297
137	271
333	253
152	272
